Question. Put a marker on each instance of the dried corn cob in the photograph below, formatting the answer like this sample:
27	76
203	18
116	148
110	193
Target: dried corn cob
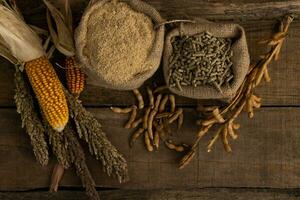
62	38
16	35
75	77
48	90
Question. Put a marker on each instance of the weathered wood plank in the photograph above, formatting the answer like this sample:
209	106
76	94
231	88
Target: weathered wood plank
284	89
216	9
203	194
265	155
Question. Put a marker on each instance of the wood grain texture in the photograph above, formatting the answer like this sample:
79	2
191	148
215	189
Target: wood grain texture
266	154
195	194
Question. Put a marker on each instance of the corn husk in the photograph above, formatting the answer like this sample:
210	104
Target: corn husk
18	40
62	34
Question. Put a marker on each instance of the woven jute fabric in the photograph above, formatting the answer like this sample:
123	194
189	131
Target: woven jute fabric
152	62
240	58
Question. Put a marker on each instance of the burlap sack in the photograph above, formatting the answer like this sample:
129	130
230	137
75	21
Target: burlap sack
152	62
240	58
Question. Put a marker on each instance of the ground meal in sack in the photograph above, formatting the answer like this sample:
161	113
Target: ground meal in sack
201	59
119	41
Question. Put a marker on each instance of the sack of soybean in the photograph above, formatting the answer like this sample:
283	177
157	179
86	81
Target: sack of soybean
205	60
119	43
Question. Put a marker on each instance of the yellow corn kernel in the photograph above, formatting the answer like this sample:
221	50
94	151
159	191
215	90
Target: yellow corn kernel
75	77
49	92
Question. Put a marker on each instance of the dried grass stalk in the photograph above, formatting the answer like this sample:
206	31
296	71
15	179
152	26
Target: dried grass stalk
90	130
77	153
30	119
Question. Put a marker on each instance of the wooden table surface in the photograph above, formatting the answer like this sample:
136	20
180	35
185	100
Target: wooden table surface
266	157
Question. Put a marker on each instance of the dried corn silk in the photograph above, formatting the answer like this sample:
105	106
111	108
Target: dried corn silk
119	41
200	60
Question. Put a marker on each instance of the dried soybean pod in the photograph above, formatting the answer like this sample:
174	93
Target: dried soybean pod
152	115
151	97
218	116
139	97
225	140
150	123
148	142
145	118
157	102
209	122
156	139
172	146
163	115
230	130
236	126
175	115
163	103
136	123
161	88
180	121
121	110
132	117
172	102
135	136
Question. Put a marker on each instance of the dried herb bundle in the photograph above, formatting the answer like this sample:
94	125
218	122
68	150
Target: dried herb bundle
30	119
245	99
89	129
157	117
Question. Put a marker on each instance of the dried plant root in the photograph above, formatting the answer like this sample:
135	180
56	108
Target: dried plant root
121	110
132	117
135	136
139	97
